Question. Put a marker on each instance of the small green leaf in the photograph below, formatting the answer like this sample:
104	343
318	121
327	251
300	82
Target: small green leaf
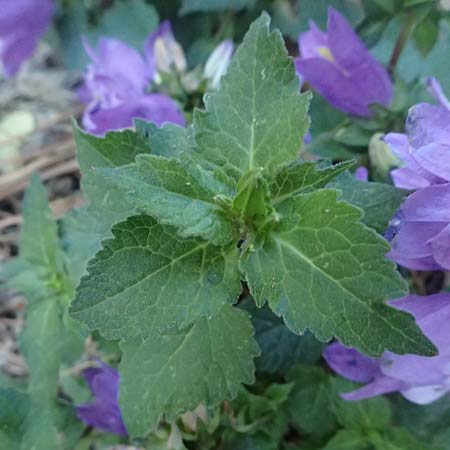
309	403
258	117
373	414
347	440
250	202
300	177
190	6
321	269
40	344
177	193
39	244
379	201
147	279
25	425
280	348
173	373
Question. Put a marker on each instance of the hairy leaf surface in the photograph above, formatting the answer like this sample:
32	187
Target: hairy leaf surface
147	279
379	201
300	177
170	140
322	270
173	373
178	193
258	117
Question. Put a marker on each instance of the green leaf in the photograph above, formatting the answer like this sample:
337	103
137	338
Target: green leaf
373	414
280	348
426	35
170	140
147	278
258	117
23	424
114	150
40	344
177	193
379	201
176	371
39	244
399	439
322	270
130	21
190	6
309	403
300	177
347	440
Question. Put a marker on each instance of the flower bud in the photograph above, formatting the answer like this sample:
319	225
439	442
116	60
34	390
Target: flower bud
217	63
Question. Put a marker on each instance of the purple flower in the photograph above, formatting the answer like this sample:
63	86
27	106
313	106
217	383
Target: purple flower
103	412
362	174
218	62
420	379
425	148
22	23
420	231
114	88
339	67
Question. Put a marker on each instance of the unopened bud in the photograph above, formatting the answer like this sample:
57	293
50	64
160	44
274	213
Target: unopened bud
218	62
381	156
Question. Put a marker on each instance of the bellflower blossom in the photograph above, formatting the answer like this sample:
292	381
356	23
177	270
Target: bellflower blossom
420	230
425	148
419	233
22	24
218	62
338	65
420	379
103	412
114	88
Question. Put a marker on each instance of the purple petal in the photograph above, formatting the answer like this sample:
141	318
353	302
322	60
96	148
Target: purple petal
156	108
421	306
22	24
370	79
435	159
120	61
381	385
405	178
427	124
311	41
338	89
440	246
350	364
423	395
362	173
341	69
160	109
103	412
430	204
101	416
437	91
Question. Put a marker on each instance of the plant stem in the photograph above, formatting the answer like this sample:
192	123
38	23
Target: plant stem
401	42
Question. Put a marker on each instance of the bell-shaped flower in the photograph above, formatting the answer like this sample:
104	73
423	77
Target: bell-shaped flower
103	412
419	233
338	65
420	379
425	148
115	90
22	24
